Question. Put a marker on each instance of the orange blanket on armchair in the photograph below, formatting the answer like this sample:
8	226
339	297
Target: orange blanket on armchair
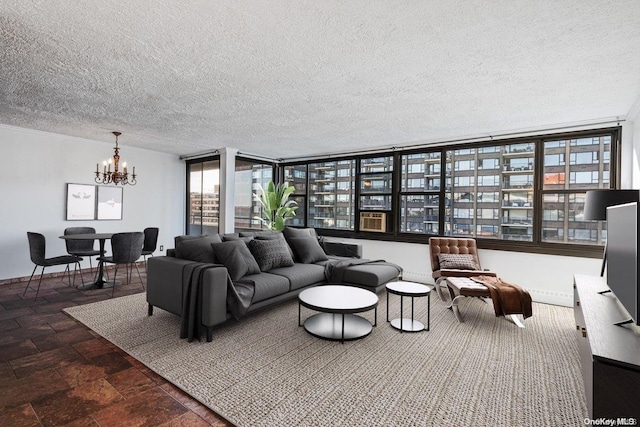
507	298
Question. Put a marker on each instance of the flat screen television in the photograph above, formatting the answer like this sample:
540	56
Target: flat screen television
623	234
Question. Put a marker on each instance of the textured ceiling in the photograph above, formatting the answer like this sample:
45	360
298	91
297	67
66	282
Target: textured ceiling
291	78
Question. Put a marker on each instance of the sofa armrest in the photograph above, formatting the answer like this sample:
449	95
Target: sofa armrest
214	296
165	288
350	250
164	282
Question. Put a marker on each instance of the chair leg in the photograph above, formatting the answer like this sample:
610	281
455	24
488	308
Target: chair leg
439	286
67	270
79	267
139	276
515	319
115	274
454	306
32	273
39	282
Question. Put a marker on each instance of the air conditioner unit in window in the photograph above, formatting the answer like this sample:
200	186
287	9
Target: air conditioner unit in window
373	221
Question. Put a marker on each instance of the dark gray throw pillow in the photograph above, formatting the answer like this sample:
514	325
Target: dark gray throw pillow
307	249
276	236
231	238
236	257
197	249
270	253
291	233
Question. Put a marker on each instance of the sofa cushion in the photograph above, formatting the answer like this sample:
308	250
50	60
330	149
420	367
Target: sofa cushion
236	257
370	275
270	253
267	285
458	262
197	248
307	249
301	275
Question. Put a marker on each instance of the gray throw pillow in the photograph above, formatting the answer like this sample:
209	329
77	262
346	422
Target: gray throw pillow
457	262
290	233
277	235
197	249
231	238
270	253
307	249
236	257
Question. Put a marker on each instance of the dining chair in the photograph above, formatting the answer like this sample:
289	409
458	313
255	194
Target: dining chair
37	250
150	241
126	248
81	248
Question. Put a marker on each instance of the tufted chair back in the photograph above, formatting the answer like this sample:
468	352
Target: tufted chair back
450	245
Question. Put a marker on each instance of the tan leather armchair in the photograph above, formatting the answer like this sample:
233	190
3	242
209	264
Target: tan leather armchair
452	245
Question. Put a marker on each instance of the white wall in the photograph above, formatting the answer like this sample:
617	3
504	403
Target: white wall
549	278
36	166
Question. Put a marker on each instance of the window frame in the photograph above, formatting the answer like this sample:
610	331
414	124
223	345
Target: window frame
537	245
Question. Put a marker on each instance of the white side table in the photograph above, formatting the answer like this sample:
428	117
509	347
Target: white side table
413	290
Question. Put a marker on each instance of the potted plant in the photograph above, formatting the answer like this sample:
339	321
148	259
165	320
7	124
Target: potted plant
276	206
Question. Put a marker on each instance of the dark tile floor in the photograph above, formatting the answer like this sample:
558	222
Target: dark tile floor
54	371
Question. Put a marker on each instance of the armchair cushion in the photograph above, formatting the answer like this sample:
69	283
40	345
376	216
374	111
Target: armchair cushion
458	261
236	257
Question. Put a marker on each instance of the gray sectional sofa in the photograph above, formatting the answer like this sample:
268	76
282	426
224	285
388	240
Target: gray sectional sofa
208	280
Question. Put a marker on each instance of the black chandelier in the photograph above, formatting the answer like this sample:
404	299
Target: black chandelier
115	177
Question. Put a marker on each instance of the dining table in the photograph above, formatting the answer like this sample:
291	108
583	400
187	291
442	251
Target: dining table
101	238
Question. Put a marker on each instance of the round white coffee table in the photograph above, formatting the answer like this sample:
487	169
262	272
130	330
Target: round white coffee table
413	290
337	305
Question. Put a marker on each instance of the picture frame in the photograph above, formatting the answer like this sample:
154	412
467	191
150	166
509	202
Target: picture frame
81	202
109	206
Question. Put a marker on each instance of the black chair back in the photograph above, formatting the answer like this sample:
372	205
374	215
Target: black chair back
150	239
79	245
126	247
37	248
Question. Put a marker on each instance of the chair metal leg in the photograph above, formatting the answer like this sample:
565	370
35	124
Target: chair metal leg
139	276
39	282
515	319
115	274
439	286
79	267
454	306
32	273
67	270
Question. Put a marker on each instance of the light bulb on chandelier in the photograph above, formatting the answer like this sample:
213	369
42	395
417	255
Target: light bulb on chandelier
115	177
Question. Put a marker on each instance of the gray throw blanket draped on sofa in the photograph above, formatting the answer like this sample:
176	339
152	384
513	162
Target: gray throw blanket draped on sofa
334	269
239	297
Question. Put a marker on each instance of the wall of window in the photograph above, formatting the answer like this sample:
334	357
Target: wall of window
527	193
249	177
203	196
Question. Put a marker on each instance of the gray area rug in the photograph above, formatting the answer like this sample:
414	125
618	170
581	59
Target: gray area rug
267	371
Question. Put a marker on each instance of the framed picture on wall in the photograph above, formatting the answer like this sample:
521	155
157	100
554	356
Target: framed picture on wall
109	203
81	202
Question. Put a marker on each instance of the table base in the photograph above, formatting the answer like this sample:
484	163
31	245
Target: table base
99	285
407	325
329	326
